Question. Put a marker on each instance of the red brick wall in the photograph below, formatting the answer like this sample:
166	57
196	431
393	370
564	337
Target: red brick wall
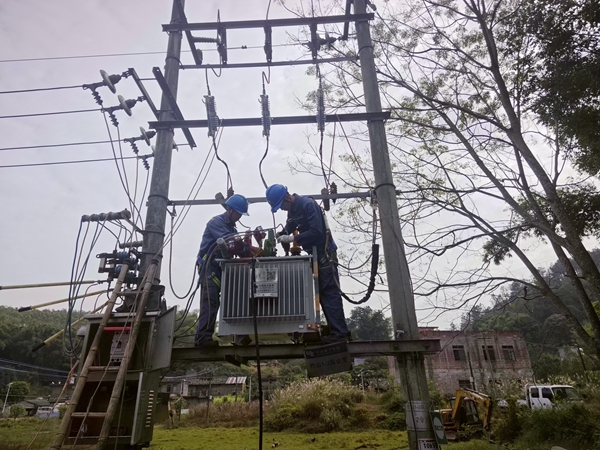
446	371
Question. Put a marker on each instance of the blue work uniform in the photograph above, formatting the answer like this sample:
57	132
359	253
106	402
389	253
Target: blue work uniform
306	216
210	274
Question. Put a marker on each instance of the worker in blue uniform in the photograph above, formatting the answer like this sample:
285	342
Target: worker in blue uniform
221	226
306	216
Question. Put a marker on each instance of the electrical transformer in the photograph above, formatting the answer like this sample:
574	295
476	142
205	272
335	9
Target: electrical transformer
284	294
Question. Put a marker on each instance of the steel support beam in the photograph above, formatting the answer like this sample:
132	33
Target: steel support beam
256	121
242	24
356	349
140	85
212	201
162	82
269	64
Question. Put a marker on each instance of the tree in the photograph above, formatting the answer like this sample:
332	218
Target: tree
18	391
17	411
562	88
366	324
480	176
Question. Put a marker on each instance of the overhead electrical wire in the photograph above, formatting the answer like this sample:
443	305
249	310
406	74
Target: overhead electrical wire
40	89
77	111
68	144
110	55
8	166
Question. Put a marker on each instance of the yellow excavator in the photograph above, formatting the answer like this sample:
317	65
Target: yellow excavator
463	420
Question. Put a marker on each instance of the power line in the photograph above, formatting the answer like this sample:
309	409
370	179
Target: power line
54	145
40	89
68	144
33	366
65	162
50	113
110	55
31	372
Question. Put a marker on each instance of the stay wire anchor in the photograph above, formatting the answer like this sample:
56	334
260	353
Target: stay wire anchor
211	115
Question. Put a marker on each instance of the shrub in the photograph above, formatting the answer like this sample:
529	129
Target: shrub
313	406
507	427
395	421
392	400
16	411
225	414
573	426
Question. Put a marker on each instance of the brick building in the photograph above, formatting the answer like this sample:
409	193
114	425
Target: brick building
477	360
197	389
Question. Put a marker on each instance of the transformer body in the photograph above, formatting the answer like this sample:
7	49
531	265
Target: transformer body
284	293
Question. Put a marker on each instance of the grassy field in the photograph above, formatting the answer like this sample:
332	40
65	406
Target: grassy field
247	438
34	434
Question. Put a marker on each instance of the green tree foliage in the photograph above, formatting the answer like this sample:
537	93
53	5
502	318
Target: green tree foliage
18	391
366	324
544	328
17	411
479	151
560	73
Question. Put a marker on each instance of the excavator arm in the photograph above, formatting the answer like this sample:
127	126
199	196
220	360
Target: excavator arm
481	399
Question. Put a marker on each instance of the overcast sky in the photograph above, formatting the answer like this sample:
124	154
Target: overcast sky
42	205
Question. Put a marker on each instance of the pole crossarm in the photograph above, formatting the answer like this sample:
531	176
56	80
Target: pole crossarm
291	22
356	349
256	121
162	82
269	64
143	90
212	201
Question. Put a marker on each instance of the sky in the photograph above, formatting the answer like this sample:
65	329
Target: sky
42	205
51	44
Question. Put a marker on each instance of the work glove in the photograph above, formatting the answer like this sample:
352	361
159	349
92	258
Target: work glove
286	239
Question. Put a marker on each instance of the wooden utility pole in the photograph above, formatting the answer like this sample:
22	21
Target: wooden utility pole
411	365
156	216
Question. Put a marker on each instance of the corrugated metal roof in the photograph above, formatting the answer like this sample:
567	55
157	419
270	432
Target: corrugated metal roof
236	380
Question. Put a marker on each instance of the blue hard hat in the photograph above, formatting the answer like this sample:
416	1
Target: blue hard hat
238	203
275	195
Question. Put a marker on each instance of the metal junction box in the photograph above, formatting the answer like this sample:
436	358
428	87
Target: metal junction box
284	292
134	423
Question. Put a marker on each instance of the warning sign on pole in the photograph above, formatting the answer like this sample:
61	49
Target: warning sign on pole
438	428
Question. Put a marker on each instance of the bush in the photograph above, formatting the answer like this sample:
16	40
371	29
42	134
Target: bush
507	427
225	414
395	421
16	411
392	400
573	426
314	406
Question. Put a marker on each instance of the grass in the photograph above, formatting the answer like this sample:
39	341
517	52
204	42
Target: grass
247	438
19	434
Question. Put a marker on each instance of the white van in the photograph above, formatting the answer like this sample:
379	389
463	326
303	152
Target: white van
549	395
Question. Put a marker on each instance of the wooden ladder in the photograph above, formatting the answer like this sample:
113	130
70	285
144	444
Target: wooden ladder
88	366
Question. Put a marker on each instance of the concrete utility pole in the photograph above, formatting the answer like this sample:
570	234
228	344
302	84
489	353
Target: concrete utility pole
411	365
154	233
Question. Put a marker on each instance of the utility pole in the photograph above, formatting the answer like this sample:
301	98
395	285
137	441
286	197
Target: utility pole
412	367
154	233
